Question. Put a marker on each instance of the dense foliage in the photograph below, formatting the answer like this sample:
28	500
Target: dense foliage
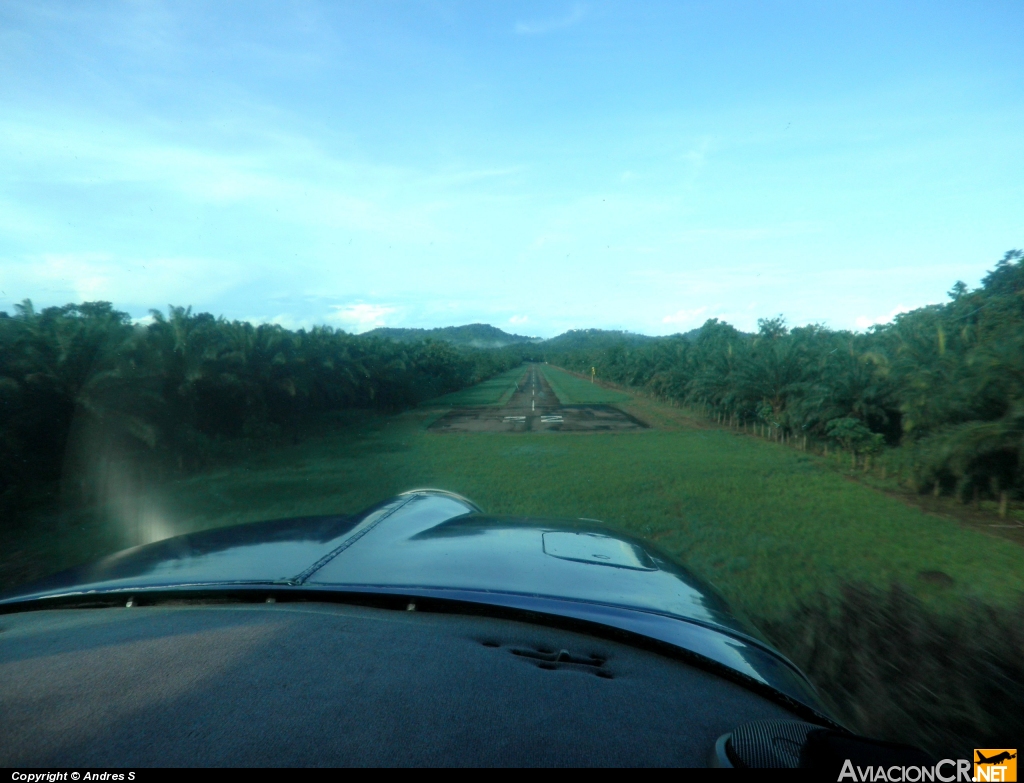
892	667
169	392
944	382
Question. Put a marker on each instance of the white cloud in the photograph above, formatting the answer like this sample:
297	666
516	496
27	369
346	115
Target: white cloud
361	317
56	278
283	177
863	322
286	320
518	319
548	25
684	316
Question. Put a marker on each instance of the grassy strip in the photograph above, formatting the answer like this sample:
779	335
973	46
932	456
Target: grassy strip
495	391
770	526
572	390
779	531
883	472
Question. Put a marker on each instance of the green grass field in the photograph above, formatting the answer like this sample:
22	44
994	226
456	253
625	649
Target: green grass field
572	390
770	526
495	391
766	524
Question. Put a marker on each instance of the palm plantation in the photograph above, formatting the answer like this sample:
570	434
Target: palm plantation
943	384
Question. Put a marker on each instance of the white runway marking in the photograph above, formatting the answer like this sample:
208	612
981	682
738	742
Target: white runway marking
515	418
551	419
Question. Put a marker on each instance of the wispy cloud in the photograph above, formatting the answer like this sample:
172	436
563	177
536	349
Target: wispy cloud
540	26
138	282
361	317
282	177
518	319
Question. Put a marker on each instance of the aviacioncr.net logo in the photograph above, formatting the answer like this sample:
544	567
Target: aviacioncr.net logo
946	771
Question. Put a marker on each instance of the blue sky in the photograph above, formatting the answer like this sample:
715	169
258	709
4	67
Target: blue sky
538	166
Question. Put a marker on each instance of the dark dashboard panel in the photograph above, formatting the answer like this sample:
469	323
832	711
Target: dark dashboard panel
321	684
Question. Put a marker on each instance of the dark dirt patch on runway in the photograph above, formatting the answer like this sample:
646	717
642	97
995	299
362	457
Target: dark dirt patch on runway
535	408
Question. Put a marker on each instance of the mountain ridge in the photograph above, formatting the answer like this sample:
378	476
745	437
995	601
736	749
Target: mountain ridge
472	335
479	335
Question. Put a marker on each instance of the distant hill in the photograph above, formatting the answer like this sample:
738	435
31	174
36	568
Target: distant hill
472	335
589	339
487	336
595	338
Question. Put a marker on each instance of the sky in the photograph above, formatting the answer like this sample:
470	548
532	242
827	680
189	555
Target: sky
539	166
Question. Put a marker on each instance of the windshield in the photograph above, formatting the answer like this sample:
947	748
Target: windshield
734	281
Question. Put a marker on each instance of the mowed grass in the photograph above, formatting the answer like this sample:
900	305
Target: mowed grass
572	390
766	524
495	391
775	529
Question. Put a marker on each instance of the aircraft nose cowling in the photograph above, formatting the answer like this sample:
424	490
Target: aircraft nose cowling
276	551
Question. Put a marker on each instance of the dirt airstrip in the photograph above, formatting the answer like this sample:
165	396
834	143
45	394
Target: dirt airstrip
534	407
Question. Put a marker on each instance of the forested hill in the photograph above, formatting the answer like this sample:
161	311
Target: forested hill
944	383
591	339
471	335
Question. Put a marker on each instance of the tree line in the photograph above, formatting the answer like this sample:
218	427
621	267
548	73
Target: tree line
940	389
170	392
